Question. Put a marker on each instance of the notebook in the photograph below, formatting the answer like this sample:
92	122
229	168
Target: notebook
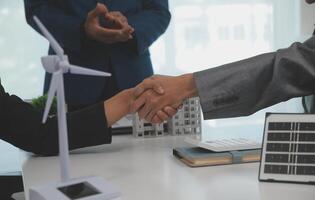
198	157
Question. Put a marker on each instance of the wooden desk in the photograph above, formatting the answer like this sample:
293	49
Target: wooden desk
145	169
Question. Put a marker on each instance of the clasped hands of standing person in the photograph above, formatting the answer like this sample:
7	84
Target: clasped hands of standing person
158	98
116	28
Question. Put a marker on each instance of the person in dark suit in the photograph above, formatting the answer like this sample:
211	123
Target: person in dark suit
20	124
90	39
236	89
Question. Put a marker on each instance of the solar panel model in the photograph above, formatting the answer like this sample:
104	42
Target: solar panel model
288	150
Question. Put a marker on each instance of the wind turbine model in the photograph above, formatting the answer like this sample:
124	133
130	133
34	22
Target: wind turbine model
88	188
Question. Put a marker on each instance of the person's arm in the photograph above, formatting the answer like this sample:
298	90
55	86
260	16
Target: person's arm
236	89
118	106
242	88
149	23
21	124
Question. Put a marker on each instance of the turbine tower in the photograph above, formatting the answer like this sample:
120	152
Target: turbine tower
58	65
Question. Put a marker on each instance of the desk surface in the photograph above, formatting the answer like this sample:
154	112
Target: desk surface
146	169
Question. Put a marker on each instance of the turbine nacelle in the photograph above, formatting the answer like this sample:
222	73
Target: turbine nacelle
53	63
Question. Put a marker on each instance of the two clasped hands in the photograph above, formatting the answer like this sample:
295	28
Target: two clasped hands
158	98
114	27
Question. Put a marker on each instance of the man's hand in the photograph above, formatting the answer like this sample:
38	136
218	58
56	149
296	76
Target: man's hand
169	93
116	28
116	20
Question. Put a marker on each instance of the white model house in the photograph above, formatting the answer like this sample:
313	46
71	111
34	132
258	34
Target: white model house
141	128
186	121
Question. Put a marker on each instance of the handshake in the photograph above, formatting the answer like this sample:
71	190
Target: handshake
157	98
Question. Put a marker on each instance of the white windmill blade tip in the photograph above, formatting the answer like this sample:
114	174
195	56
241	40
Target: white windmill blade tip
36	19
50	96
107	74
44	120
85	71
46	112
47	109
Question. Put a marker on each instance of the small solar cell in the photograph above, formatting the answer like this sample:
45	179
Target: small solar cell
279	126
305	170
278	136
276	169
309	137
306	148
280	147
310	159
307	126
277	158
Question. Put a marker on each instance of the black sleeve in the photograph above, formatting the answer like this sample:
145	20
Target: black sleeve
21	126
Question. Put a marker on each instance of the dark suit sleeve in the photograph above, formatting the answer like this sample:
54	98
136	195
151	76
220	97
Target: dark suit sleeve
64	26
244	87
149	23
21	126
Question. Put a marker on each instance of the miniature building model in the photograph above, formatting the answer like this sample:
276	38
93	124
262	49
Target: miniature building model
141	128
186	121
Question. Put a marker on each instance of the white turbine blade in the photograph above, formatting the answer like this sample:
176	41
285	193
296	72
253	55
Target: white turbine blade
54	44
51	94
84	71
